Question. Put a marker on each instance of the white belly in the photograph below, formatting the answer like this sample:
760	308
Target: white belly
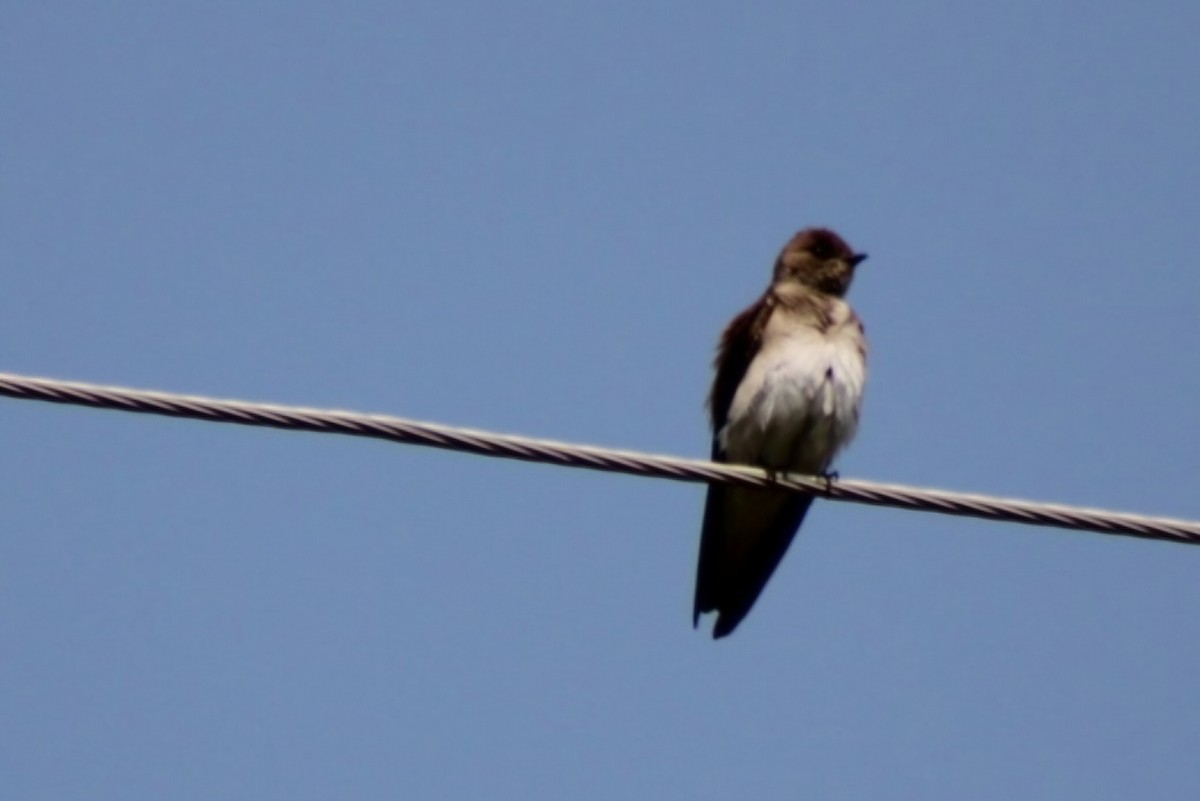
798	404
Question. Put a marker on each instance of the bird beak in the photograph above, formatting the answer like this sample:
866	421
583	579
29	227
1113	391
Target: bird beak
857	259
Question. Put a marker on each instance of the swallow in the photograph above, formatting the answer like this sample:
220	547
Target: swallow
789	378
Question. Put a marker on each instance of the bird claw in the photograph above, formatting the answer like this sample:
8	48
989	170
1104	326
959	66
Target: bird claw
830	477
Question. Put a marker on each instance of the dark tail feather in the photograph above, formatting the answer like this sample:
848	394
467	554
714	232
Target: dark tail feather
737	594
708	568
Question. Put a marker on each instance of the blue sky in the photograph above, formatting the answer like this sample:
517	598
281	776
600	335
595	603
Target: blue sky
536	218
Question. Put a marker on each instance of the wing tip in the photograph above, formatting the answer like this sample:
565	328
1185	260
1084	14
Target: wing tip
725	625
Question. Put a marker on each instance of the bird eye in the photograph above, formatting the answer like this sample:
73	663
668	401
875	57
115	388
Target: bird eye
822	250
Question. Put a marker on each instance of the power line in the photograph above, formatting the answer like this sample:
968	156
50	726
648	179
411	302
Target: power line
486	443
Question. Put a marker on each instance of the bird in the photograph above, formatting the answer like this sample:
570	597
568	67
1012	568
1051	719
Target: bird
787	390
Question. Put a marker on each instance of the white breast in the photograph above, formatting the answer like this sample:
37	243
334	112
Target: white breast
799	401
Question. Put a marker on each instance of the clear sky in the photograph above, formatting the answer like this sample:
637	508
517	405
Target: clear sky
536	218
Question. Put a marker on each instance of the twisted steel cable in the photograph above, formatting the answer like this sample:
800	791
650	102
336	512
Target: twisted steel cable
486	443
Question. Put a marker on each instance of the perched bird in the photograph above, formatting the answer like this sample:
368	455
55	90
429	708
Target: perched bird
790	373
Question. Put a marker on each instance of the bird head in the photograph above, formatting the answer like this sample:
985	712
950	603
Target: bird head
819	259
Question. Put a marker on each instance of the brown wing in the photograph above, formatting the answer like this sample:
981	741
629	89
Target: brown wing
739	345
735	564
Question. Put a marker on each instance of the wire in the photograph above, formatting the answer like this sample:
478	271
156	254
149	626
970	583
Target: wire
485	443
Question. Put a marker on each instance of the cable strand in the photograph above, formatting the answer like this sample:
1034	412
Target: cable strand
486	443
